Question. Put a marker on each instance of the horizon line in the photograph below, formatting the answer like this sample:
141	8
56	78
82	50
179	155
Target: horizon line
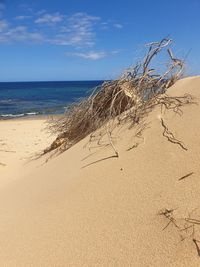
55	81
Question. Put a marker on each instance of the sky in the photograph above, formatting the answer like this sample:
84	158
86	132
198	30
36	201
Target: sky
52	40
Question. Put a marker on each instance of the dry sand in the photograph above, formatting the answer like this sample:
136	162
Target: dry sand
20	139
81	209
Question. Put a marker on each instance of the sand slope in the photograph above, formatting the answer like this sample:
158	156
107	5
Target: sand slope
66	213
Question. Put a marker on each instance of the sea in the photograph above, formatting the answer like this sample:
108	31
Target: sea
20	99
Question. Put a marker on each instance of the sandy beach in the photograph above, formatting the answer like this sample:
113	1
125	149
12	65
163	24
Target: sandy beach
20	140
87	208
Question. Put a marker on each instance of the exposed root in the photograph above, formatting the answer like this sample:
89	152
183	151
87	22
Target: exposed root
175	103
170	137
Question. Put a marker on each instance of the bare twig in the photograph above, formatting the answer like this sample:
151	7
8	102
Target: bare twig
170	137
190	223
197	246
111	142
185	176
169	215
193	221
8	151
133	146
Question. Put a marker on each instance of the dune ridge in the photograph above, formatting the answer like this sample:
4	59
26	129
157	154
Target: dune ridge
87	208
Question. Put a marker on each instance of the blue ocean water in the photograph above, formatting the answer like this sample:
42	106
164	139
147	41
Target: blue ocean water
33	98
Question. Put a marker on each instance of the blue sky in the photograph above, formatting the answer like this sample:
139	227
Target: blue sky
87	39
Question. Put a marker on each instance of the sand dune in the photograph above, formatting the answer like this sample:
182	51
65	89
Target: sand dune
81	209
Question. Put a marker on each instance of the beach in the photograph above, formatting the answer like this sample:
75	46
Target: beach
20	141
86	207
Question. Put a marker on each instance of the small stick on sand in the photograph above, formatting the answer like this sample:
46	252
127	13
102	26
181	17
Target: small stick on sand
197	247
168	214
133	146
185	176
8	151
111	143
193	221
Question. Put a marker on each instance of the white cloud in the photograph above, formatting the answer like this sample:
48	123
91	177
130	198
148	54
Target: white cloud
40	12
109	25
92	55
118	25
23	17
89	55
77	30
3	25
49	18
72	39
20	33
104	25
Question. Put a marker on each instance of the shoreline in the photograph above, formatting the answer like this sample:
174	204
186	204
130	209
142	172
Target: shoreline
31	117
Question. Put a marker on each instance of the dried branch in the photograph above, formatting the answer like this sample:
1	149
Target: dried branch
170	137
129	98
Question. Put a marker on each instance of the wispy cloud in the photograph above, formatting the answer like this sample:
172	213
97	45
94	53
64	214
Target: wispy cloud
92	55
23	17
118	25
89	55
3	25
20	33
70	30
40	12
49	18
110	24
77	30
